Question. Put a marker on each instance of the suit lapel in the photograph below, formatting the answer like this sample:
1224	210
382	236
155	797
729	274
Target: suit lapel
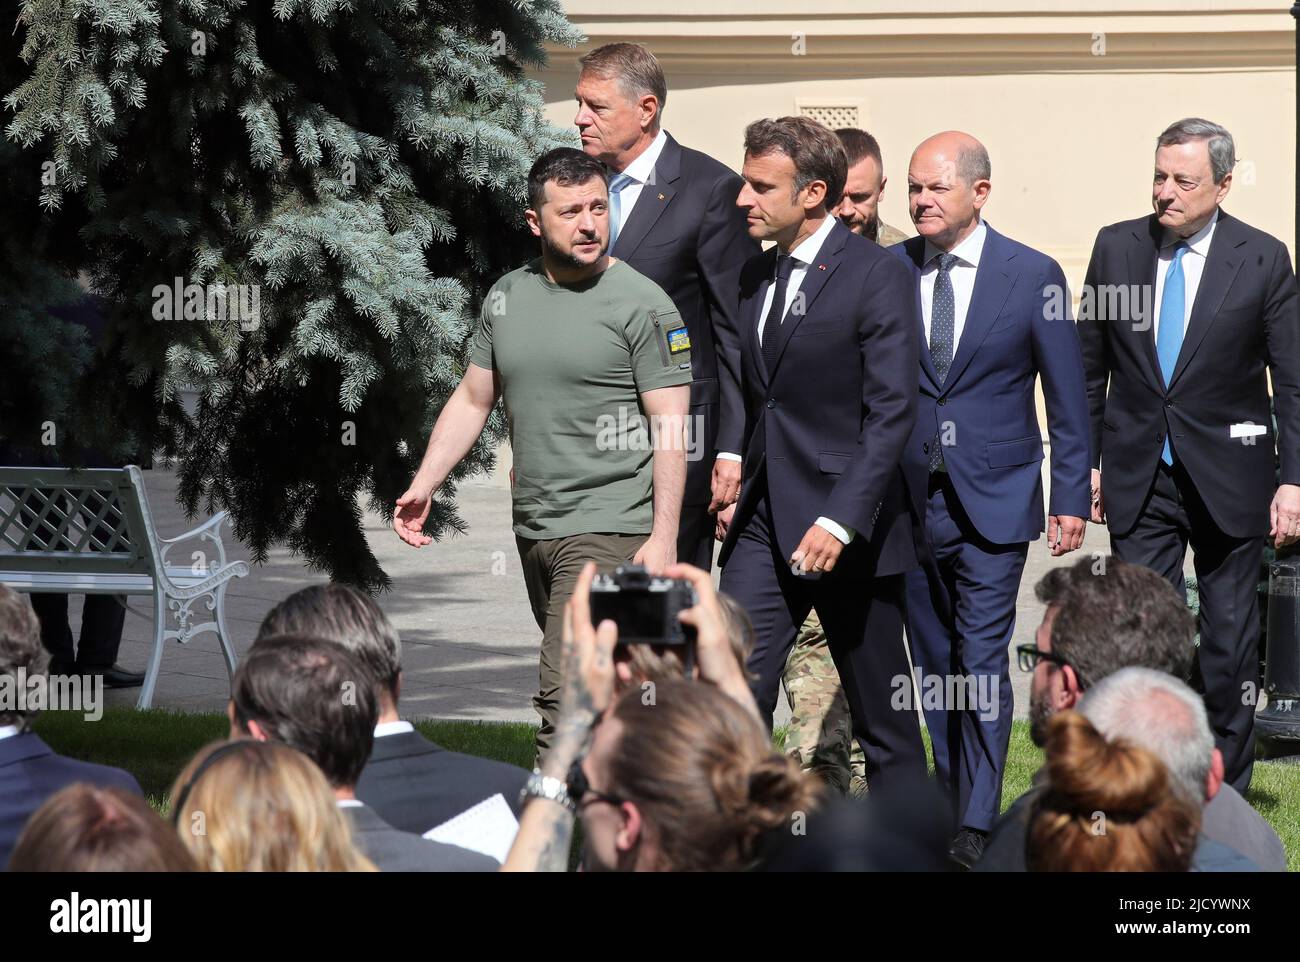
1143	261
993	282
654	199
1221	266
915	247
814	279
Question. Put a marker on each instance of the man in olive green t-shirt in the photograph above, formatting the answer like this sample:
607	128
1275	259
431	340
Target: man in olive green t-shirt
593	363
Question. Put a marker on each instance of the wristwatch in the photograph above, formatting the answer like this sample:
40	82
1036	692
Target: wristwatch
548	787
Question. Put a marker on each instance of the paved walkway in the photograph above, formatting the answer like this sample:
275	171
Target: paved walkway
469	639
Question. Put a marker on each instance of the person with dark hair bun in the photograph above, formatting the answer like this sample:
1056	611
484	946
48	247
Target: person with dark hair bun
688	781
89	828
1108	806
677	775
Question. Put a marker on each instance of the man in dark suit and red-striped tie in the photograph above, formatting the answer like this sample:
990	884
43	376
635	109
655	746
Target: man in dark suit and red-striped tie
1183	315
829	354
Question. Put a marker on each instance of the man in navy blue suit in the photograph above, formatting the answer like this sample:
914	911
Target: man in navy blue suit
30	772
827	325
994	316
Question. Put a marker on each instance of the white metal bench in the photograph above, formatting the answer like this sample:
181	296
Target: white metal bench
90	531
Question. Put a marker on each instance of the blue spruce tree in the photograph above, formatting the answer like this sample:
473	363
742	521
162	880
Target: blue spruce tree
292	208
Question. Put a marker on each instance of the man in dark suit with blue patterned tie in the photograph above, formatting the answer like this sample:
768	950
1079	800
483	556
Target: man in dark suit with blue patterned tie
994	318
1183	315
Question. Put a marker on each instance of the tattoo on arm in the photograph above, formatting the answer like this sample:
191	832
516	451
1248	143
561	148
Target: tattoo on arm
554	856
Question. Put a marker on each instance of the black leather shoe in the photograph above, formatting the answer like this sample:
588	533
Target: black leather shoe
115	676
967	847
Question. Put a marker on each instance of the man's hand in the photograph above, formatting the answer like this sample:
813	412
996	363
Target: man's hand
588	673
818	551
1285	513
656	554
1064	533
1098	507
588	651
724	522
726	484
409	517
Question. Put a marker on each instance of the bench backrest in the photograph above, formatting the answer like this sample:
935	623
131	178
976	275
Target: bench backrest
87	521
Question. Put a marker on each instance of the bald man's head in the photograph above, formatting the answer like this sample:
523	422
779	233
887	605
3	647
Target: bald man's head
961	149
947	184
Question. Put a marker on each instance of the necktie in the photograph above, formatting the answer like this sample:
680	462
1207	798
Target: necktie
943	319
1169	340
772	324
616	185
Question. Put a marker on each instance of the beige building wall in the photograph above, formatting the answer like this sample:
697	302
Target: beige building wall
1068	98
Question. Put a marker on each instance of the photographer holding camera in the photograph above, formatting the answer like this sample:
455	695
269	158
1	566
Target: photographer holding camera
675	777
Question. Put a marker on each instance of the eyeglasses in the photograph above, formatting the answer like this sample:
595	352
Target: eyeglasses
1028	657
579	787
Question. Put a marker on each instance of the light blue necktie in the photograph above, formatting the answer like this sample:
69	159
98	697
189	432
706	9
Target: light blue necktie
1169	340
616	185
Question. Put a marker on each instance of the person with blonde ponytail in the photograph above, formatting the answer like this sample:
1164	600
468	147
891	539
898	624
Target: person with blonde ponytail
250	806
1108	806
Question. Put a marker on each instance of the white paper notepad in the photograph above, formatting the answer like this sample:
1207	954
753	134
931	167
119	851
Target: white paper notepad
488	828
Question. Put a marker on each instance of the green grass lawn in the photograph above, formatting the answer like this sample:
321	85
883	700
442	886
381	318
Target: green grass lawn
154	745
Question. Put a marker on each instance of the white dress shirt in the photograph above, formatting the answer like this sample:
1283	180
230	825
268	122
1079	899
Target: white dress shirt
804	253
8	731
1193	263
962	276
393	728
641	171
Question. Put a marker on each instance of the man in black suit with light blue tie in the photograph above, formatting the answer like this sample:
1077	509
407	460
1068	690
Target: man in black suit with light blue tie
994	319
829	352
1183	446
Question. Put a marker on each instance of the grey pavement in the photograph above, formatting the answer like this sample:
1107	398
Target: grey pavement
469	640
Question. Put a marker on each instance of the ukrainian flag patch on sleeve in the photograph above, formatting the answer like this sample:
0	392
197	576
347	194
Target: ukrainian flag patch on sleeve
679	340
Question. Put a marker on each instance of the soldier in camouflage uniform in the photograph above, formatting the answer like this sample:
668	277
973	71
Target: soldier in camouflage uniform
820	737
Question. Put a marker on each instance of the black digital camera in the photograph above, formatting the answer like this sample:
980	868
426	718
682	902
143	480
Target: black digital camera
645	608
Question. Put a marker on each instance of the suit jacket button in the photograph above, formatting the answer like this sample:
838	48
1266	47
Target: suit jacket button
1160	439
943	401
926	447
771	403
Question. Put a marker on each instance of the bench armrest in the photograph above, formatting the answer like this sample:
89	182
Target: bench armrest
209	531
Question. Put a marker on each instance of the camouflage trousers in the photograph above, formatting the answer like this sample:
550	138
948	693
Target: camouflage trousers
820	737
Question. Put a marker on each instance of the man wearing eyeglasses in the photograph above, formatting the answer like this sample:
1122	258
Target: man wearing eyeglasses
1104	616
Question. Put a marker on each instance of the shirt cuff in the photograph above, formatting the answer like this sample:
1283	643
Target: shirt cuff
727	456
841	533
